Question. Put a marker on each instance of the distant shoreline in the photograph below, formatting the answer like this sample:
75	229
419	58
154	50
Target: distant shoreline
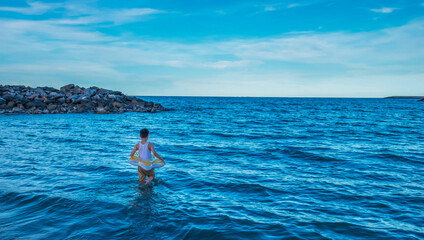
211	96
406	97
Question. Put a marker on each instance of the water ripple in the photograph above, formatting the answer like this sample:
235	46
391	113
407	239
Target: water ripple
237	168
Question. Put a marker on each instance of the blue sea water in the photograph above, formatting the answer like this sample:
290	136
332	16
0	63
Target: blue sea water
237	168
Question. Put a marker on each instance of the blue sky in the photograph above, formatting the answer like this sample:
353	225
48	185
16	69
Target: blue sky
313	48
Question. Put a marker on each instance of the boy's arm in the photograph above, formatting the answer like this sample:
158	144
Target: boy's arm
134	150
154	151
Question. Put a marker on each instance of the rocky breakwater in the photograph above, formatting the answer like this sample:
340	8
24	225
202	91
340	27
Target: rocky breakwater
70	99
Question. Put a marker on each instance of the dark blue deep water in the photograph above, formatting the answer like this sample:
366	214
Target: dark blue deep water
237	168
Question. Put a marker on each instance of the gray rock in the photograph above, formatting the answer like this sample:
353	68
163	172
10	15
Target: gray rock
109	101
97	98
61	100
117	104
89	92
11	104
79	108
51	107
32	96
40	91
54	94
88	106
104	91
84	99
51	98
134	102
9	97
81	99
37	104
20	98
139	100
100	110
17	110
31	110
119	98
70	99
66	88
76	90
111	96
49	89
74	98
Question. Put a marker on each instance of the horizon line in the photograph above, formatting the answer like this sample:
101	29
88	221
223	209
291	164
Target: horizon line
389	97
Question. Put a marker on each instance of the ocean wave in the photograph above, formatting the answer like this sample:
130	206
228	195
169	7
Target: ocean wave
248	168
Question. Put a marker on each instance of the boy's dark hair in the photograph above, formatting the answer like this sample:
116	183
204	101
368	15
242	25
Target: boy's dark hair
144	132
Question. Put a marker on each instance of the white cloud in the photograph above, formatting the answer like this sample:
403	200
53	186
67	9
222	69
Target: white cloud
393	44
279	6
80	14
269	9
117	17
35	8
293	5
27	31
384	10
223	64
349	49
71	48
129	15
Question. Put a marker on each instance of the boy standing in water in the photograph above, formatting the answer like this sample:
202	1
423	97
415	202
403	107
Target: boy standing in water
145	152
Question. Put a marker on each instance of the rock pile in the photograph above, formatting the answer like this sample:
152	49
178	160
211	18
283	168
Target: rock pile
70	99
